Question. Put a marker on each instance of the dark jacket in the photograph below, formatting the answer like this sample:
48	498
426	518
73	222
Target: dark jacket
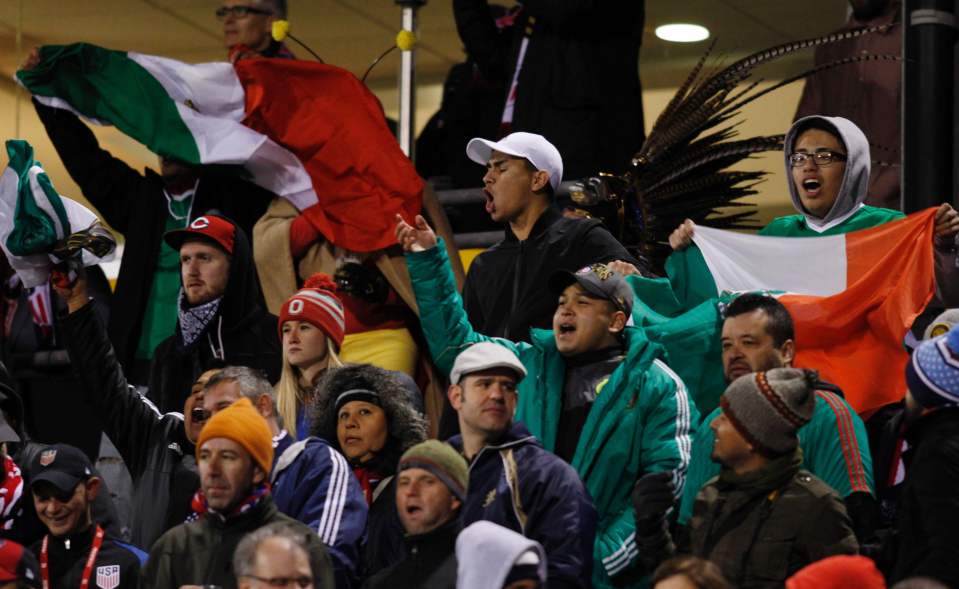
517	484
313	483
928	514
117	564
505	293
762	527
153	446
579	84
201	552
134	205
243	330
430	562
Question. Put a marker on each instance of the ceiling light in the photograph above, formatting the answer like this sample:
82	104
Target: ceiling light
682	33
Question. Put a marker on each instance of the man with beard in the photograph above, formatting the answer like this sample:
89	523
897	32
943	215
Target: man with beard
220	319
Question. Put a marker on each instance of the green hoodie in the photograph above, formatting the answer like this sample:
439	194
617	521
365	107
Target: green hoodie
641	421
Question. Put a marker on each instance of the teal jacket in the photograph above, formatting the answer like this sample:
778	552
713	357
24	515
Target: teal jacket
641	421
834	444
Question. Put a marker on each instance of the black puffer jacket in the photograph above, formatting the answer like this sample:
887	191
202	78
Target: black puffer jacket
243	330
153	446
135	206
928	514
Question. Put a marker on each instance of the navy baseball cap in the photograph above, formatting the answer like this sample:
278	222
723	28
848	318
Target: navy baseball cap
61	465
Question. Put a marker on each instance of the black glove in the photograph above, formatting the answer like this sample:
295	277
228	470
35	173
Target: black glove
653	495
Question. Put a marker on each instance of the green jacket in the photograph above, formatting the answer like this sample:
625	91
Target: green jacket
834	444
865	218
641	421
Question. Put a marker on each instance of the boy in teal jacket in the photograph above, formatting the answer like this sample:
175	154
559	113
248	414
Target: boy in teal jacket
638	418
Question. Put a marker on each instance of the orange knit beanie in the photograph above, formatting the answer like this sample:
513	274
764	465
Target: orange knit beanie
243	424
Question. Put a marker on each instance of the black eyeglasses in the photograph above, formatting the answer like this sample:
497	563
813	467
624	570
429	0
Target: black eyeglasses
239	11
199	415
822	158
301	582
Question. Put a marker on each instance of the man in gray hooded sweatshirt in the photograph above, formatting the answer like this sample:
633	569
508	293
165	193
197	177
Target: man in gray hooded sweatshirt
828	161
490	556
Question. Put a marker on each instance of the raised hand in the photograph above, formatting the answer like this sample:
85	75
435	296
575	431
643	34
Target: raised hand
682	236
947	222
415	239
32	60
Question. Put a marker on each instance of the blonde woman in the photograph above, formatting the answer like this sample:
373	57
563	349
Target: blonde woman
312	325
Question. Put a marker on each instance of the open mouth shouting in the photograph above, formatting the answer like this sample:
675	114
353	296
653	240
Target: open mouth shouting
812	186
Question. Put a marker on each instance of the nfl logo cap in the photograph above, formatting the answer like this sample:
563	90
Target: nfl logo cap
531	146
218	230
599	282
61	465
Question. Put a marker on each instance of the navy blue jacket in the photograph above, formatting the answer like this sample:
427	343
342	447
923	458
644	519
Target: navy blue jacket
314	484
517	484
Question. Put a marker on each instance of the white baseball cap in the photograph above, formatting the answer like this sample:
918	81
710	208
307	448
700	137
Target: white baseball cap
483	356
540	152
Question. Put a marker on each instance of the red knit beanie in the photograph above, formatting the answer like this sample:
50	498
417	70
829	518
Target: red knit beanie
838	572
316	303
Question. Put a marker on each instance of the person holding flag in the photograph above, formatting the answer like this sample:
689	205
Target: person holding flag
828	163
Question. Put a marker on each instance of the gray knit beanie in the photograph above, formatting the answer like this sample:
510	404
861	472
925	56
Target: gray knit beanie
767	408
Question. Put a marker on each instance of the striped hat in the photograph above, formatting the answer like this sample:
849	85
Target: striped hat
767	408
932	373
316	303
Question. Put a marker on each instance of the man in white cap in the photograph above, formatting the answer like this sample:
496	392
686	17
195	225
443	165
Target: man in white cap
505	291
538	495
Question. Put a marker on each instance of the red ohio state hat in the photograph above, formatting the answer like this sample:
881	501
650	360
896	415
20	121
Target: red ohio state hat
209	227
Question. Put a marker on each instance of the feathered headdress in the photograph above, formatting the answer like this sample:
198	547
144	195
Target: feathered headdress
682	169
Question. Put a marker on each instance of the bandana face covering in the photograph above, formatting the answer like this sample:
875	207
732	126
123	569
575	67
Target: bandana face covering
193	321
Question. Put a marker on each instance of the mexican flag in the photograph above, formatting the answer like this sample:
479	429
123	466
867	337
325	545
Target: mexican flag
852	298
308	132
34	218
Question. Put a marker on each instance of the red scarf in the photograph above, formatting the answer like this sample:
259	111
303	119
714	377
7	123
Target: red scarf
201	507
11	493
368	481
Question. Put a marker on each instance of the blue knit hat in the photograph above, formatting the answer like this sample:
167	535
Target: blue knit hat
933	371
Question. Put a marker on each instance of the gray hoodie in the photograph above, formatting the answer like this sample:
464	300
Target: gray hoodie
855	181
486	553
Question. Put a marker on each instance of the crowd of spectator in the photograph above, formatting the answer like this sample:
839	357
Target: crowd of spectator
298	450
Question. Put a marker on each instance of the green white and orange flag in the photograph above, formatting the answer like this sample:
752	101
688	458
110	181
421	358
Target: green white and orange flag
310	133
852	297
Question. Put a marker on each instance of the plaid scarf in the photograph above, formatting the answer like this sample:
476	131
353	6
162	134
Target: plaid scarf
194	321
201	508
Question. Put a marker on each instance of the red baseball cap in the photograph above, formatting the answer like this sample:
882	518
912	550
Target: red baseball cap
18	564
210	227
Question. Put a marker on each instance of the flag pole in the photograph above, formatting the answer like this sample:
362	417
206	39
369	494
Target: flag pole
407	84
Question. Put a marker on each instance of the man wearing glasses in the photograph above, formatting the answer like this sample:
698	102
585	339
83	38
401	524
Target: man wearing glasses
273	556
828	161
248	25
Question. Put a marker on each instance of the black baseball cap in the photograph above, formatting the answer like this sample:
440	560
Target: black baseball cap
598	281
61	465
